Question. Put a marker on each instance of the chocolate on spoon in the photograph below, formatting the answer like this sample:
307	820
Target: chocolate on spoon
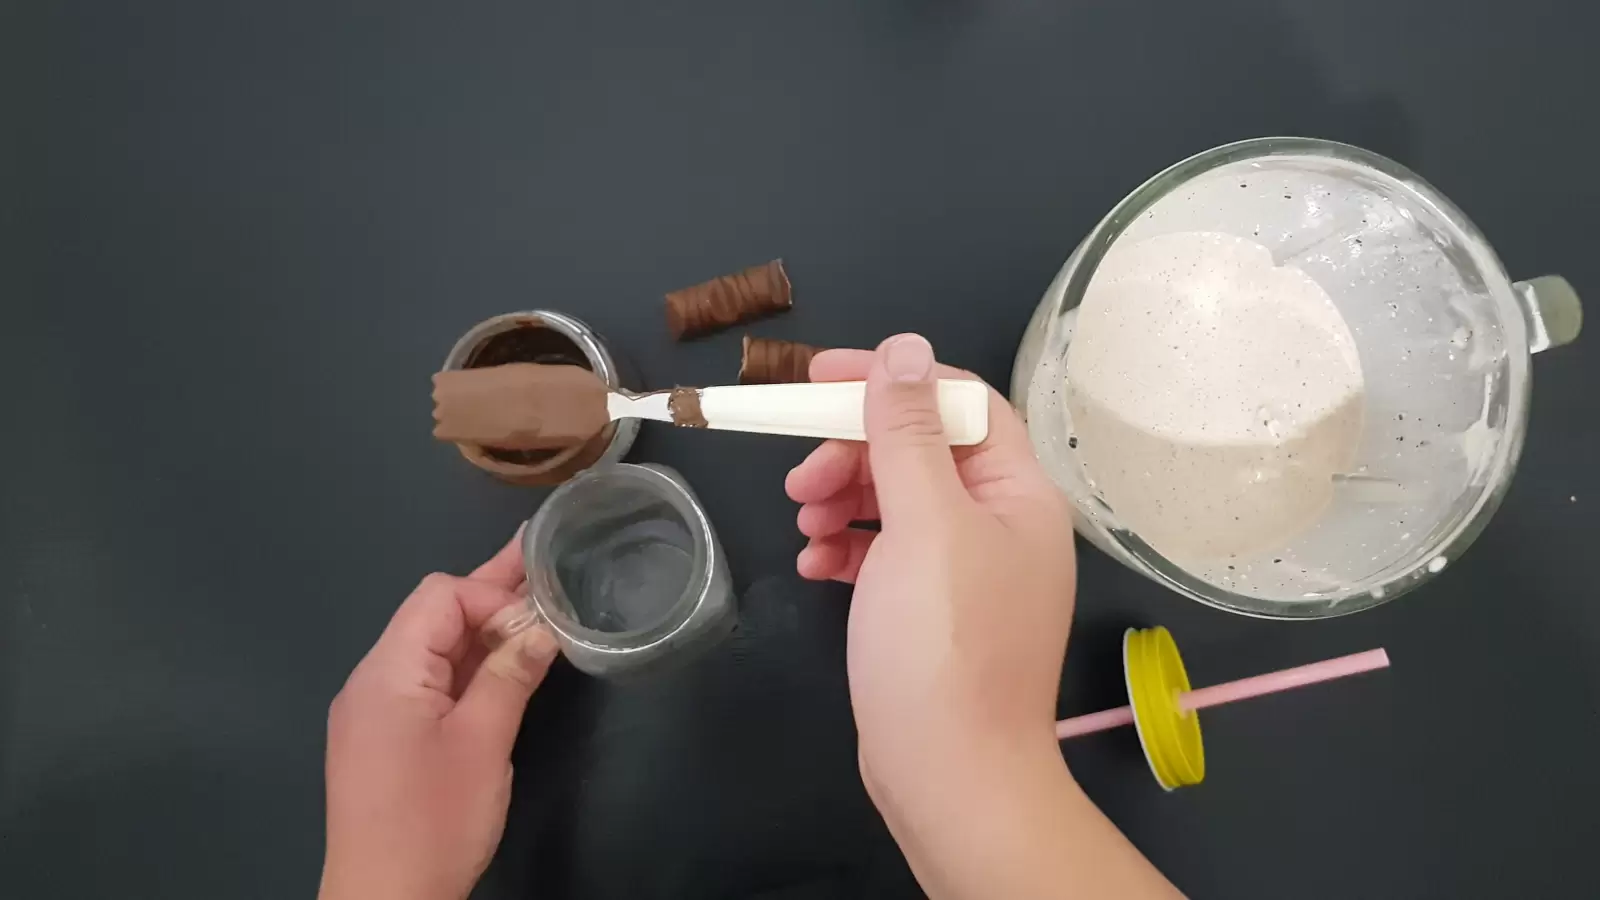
519	406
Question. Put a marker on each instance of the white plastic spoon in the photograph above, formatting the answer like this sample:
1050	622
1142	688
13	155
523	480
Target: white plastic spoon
821	410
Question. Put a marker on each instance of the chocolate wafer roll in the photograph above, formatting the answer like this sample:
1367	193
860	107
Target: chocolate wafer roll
767	361
727	301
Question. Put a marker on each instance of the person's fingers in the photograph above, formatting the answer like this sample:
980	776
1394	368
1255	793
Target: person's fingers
911	463
1002	471
479	602
846	364
490	710
824	517
506	623
841	365
827	471
831	467
837	557
442	612
1008	435
471	658
505	567
823	472
869	512
1001	467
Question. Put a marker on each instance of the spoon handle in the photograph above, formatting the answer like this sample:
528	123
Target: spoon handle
834	409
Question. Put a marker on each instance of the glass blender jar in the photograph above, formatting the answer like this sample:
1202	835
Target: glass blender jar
1438	333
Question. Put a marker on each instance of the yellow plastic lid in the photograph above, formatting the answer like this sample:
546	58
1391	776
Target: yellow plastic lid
1170	736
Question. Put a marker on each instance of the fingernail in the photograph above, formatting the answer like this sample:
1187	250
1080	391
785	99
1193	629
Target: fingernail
909	357
524	658
539	646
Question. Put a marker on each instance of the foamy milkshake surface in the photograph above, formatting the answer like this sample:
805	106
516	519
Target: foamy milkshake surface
1213	394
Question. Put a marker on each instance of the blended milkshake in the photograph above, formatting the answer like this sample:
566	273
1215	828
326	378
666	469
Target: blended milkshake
1213	394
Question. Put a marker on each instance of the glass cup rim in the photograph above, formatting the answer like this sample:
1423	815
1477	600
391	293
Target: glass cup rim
1081	266
651	479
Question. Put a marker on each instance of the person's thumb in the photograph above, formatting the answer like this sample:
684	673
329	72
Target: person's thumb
912	469
490	710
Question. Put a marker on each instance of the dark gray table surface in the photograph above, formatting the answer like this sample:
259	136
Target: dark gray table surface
238	238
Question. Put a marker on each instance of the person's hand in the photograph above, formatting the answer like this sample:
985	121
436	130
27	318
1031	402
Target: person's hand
962	604
963	601
419	740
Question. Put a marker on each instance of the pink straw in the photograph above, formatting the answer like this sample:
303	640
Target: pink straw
1243	689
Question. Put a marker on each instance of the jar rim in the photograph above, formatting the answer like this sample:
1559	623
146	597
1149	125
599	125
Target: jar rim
546	592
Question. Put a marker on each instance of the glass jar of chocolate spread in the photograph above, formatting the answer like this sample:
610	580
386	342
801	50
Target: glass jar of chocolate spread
547	338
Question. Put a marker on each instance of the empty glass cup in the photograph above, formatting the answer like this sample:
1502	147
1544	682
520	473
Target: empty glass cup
1435	332
623	565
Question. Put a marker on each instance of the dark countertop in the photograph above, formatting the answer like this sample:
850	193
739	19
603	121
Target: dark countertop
242	236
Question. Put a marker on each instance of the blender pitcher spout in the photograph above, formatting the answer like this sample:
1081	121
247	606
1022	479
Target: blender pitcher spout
1552	309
